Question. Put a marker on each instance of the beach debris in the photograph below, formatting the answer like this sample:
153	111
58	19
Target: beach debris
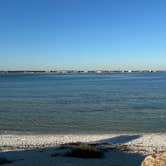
155	160
80	150
121	148
84	150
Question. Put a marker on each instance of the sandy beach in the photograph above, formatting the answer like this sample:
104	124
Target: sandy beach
144	143
36	150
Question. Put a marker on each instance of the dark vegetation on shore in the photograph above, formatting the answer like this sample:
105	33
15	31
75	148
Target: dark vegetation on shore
82	150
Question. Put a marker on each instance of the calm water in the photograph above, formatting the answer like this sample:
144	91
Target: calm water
86	103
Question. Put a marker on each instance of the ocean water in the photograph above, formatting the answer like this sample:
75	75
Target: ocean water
83	103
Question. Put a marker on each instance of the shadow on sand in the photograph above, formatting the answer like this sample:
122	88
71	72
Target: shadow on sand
119	139
42	157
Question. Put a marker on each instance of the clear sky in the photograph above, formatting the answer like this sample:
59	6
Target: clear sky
82	34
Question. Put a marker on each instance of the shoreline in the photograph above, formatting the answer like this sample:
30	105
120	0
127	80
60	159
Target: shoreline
145	143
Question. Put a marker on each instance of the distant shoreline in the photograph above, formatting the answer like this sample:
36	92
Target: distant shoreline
76	71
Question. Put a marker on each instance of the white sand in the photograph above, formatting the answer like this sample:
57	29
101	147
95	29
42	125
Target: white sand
143	143
43	146
14	147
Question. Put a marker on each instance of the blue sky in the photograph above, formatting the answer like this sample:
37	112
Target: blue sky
82	34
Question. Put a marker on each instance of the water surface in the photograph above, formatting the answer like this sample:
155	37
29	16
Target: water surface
83	103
